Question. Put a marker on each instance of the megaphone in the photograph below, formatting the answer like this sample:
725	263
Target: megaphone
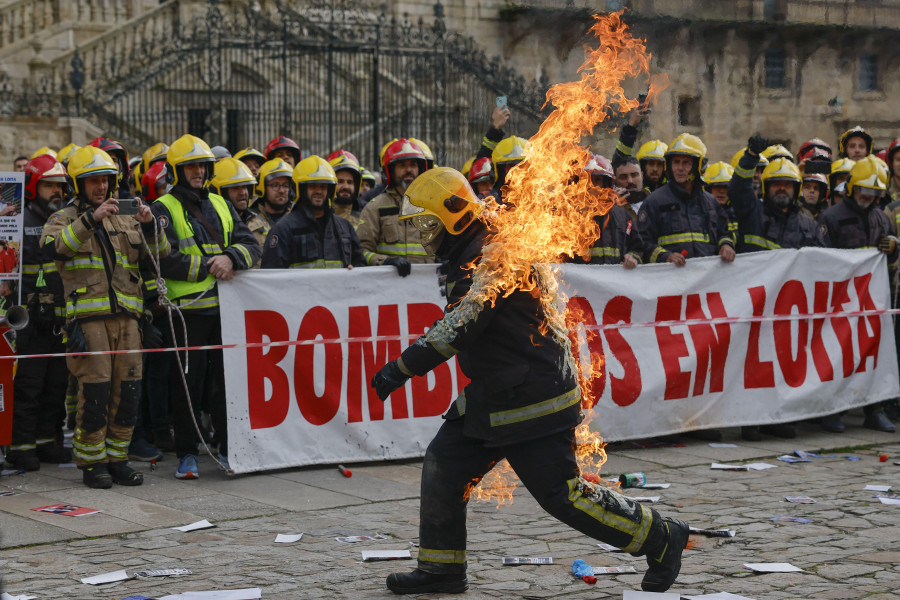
16	318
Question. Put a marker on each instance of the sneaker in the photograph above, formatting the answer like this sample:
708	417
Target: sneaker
750	433
187	468
224	460
665	565
878	421
51	453
96	477
141	450
23	460
781	430
420	582
833	423
122	474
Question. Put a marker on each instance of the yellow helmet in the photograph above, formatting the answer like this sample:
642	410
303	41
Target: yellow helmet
782	169
136	173
186	150
762	164
230	172
65	152
440	198
687	145
429	155
652	150
315	169
855	132
865	175
44	150
884	173
718	173
154	153
777	151
90	161
270	170
510	150
466	166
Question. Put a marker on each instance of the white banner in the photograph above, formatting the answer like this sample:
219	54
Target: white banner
311	403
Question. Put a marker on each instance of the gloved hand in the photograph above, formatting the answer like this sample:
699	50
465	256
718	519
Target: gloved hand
757	143
76	340
403	266
388	379
40	315
887	244
151	337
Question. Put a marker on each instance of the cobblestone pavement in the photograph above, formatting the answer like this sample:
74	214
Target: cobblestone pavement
849	550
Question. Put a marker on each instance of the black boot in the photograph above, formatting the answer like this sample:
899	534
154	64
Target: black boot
420	582
122	474
833	423
750	433
877	420
782	430
23	459
706	435
51	453
664	564
96	477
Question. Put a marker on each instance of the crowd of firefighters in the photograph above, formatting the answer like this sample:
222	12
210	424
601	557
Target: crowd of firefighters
101	269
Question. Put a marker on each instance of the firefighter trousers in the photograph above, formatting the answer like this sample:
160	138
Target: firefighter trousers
548	469
109	388
39	391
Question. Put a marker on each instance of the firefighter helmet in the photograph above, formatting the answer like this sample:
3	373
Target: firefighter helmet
116	151
44	150
652	150
314	169
429	155
150	181
342	160
781	169
689	145
286	143
270	170
401	149
762	164
482	170
366	175
230	172
155	153
718	173
467	166
383	150
851	133
251	153
813	147
439	199
866	175
600	166
42	168
188	150
841	166
510	150
90	161
65	152
883	172
821	180
777	151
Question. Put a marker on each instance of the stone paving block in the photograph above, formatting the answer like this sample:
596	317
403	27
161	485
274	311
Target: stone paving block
281	493
360	485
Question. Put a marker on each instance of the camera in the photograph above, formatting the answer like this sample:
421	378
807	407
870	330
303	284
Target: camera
129	206
817	166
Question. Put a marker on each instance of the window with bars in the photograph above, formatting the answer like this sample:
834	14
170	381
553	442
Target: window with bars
775	69
868	72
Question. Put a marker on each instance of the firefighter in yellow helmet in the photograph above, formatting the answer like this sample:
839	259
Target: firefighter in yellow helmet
312	236
233	180
855	144
210	243
508	153
44	150
426	150
274	191
756	158
98	251
716	178
518	364
253	158
349	180
777	151
651	157
858	222
385	240
65	152
152	155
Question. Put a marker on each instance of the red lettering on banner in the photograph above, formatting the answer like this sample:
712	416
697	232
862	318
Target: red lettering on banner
624	390
757	374
710	344
868	344
375	354
793	368
672	347
429	402
841	325
318	410
817	346
262	364
579	310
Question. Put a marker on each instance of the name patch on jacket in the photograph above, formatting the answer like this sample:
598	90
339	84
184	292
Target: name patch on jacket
386	211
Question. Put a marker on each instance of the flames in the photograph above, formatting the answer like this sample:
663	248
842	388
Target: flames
549	214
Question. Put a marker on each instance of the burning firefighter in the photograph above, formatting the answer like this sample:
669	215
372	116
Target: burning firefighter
523	404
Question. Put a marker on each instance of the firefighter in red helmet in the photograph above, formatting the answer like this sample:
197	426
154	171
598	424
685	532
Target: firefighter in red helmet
284	148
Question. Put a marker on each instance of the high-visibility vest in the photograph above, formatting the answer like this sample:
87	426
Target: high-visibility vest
187	244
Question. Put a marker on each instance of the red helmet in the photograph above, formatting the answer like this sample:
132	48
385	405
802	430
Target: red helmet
882	154
892	149
813	147
600	165
282	142
116	151
150	179
482	170
42	168
401	149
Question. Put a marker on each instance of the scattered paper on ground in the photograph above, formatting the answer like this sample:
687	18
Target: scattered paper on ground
608	547
5	596
760	466
352	539
718	596
636	595
107	577
644	498
15	493
244	594
772	567
527	560
655	486
725	467
369	555
204	524
613	570
714	532
872	487
288	538
68	510
799	499
885	500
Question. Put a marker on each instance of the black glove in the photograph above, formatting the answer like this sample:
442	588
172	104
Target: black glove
76	340
757	144
388	379
40	315
151	337
403	266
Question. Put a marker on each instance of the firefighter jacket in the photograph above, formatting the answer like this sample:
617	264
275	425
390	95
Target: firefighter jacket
99	263
850	226
348	212
257	226
762	226
301	241
384	236
672	219
490	140
625	144
522	381
267	218
618	237
188	282
39	274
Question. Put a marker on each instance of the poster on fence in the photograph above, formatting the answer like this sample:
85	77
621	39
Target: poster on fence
710	344
12	190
